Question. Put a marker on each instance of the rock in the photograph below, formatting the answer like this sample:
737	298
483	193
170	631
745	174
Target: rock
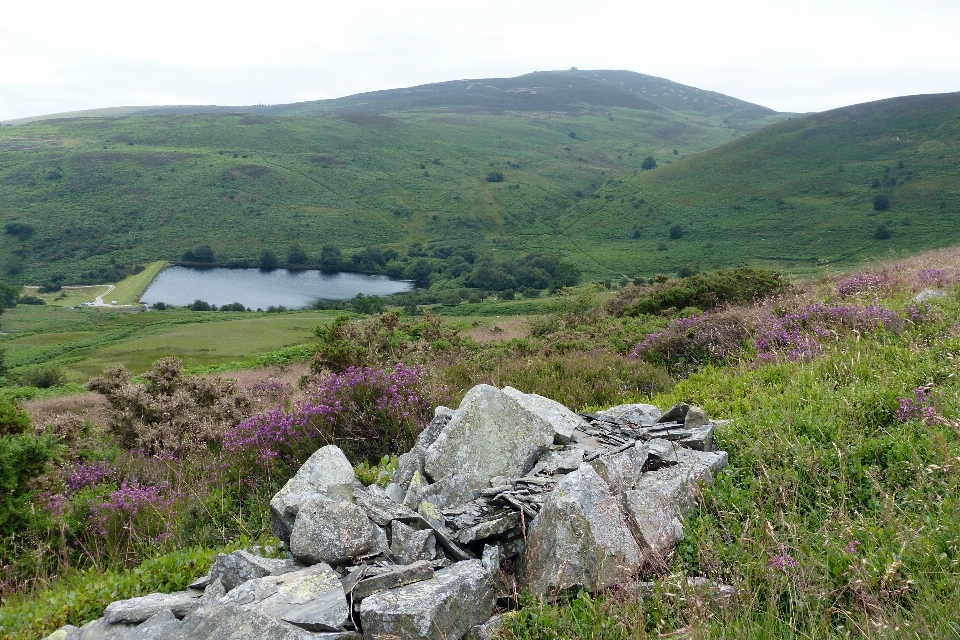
409	545
416	490
643	415
676	413
580	538
331	531
929	294
621	470
311	598
701	438
230	622
327	472
396	576
235	568
489	435
560	418
443	607
160	626
714	592
66	632
214	591
696	417
488	529
655	522
100	629
660	453
136	610
412	462
200	583
395	492
561	461
382	510
486	630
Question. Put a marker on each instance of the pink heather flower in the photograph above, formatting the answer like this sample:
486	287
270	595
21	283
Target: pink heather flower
852	546
783	561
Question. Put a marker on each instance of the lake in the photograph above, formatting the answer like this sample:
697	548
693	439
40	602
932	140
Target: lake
258	289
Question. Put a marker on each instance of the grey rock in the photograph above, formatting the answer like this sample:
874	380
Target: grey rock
66	632
160	626
409	545
395	492
331	531
230	622
492	557
489	435
100	629
643	415
445	607
486	630
136	610
412	461
562	419
661	453
200	583
700	438
676	413
655	522
929	294
696	417
416	490
235	568
409	465
488	529
621	470
580	538
338	635
311	598
214	591
560	461
397	576
327	472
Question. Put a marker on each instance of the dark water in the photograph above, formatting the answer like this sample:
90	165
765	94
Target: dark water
259	289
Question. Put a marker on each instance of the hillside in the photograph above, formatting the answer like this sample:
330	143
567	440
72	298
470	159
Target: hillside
795	194
86	198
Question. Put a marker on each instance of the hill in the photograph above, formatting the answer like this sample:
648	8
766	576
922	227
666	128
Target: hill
796	194
83	199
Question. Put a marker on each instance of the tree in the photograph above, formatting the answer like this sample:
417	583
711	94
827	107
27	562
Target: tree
648	163
9	295
268	260
296	255
331	258
676	232
881	202
495	176
882	232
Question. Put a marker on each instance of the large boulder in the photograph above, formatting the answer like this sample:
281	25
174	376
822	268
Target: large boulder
563	421
411	462
489	435
621	470
231	622
444	607
331	531
312	598
235	568
136	610
580	538
327	472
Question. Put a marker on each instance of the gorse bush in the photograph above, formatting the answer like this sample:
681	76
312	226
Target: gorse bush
170	414
13	419
22	458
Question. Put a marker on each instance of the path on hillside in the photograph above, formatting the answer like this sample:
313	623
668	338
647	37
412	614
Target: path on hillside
98	301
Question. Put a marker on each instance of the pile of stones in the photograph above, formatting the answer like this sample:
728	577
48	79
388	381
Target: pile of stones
509	492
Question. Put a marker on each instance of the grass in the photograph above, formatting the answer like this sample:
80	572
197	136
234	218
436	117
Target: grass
129	290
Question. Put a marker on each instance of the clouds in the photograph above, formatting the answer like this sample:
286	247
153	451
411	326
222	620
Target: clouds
794	55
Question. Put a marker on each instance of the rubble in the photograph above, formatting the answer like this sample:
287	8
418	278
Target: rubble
509	491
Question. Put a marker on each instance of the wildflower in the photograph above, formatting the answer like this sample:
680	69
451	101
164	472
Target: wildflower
783	560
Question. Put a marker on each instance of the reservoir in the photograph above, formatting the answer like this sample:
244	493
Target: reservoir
258	289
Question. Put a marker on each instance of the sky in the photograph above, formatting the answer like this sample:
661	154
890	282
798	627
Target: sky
790	55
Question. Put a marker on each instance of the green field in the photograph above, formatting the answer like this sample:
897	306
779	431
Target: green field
86	341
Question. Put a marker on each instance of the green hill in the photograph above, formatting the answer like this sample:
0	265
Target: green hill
795	194
86	198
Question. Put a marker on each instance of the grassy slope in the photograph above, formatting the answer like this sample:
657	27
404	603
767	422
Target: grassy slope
797	193
147	187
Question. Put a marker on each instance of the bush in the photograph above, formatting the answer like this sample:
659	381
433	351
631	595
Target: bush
882	232
690	343
495	176
31	300
233	306
367	304
19	230
200	305
703	291
268	260
296	255
170	414
44	377
648	163
331	258
159	306
13	419
22	458
881	202
676	232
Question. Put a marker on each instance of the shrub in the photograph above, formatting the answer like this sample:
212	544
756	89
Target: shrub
35	300
331	258
19	230
22	458
268	260
200	305
495	176
862	283
170	414
882	232
703	291
296	255
676	232
233	306
367	412
648	163
881	202
688	343
13	419
44	377
367	304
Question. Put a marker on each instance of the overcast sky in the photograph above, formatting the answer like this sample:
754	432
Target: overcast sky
791	55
